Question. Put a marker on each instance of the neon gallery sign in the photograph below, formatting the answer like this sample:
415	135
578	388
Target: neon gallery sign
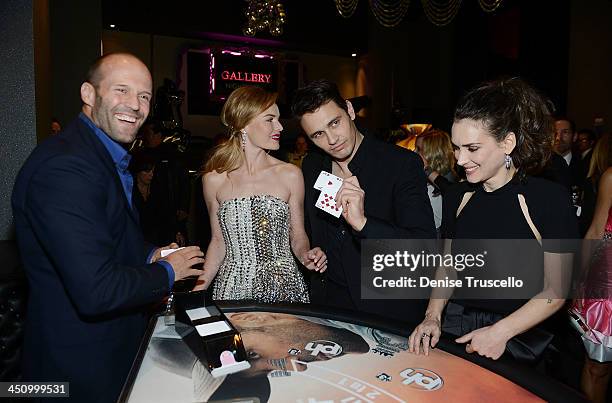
228	75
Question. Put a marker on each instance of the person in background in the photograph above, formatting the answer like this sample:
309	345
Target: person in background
599	126
146	202
170	185
599	161
92	276
565	139
56	127
300	151
583	147
565	136
435	149
584	144
595	305
557	169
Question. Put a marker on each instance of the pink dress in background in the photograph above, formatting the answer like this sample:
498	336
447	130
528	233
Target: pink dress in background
595	310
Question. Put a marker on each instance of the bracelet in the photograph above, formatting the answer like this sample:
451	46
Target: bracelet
428	171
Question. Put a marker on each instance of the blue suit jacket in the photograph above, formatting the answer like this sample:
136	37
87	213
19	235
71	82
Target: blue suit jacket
85	259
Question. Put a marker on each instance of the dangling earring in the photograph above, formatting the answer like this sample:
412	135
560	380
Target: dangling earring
243	138
508	161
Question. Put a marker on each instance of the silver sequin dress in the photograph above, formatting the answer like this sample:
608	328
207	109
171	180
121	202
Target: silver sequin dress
258	262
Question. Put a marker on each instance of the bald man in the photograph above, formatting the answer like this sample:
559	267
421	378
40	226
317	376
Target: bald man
91	275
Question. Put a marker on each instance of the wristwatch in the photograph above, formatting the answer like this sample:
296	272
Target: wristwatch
428	171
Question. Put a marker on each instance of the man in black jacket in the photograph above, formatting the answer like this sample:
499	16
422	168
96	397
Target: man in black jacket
92	277
565	136
383	196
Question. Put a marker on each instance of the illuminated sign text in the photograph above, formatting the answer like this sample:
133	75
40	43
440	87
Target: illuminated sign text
245	76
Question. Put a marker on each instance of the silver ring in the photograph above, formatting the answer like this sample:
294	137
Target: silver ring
424	335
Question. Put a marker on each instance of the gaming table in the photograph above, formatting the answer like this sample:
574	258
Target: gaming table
305	354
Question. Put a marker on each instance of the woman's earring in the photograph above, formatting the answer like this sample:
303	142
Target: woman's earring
243	139
508	161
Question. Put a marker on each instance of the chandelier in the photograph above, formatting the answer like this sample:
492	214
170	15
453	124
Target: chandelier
389	13
262	14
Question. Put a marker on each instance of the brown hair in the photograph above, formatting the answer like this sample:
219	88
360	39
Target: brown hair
512	105
601	158
242	106
438	151
312	96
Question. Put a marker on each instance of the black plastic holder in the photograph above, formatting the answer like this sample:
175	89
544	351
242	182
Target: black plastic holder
209	334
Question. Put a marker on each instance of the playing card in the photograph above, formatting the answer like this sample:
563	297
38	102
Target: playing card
166	252
326	179
329	185
321	180
327	203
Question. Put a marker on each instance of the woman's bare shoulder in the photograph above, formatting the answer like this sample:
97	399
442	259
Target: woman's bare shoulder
213	179
287	171
281	166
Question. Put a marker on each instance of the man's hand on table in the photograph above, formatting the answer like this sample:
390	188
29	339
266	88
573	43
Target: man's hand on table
183	260
157	255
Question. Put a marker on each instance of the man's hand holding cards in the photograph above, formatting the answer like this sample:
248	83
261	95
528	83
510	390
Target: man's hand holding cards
329	185
340	196
351	198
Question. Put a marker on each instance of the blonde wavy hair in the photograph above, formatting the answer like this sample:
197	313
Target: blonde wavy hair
438	151
601	158
242	106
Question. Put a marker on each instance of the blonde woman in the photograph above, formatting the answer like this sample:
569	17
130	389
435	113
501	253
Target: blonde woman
255	204
436	151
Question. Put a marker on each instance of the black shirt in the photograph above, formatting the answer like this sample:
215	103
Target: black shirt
337	230
498	215
396	207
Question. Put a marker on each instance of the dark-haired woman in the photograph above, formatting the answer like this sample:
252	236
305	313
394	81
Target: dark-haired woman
502	132
255	204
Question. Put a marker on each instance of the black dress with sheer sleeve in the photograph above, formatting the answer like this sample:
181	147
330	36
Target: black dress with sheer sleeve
497	218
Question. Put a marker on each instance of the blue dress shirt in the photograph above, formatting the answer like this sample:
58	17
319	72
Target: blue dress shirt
121	159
